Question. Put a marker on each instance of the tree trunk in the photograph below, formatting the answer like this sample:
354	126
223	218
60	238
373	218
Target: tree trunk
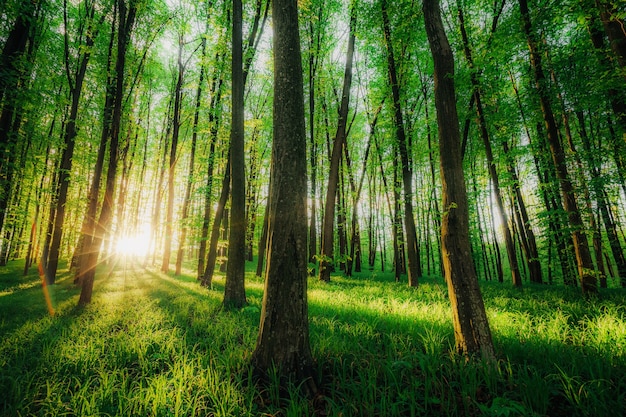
583	257
192	158
528	235
614	28
234	291
207	276
14	62
493	173
126	18
169	218
283	340
603	206
69	136
214	121
262	243
326	253
81	255
471	328
414	267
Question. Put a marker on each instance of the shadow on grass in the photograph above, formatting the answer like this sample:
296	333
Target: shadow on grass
376	355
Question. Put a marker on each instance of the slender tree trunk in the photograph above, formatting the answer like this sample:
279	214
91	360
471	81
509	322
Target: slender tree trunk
81	254
207	277
15	60
471	328
528	235
313	61
61	189
414	267
192	158
493	173
214	120
234	291
169	218
599	194
555	223
326	254
399	260
583	257
126	17
262	243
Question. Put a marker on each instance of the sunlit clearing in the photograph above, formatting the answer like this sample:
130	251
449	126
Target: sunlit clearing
135	245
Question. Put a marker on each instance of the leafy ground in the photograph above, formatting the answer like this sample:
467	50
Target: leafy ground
154	344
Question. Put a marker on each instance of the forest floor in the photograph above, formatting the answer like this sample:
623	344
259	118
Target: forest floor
159	345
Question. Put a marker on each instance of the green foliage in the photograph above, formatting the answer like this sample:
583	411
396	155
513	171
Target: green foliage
153	344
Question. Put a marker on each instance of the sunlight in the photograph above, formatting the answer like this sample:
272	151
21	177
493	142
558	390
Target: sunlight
133	245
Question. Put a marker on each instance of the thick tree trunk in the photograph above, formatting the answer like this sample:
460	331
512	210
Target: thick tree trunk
283	340
471	328
414	266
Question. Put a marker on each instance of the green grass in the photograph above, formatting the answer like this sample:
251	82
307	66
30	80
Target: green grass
154	344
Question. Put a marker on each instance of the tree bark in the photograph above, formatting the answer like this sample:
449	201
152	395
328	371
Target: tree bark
169	217
283	340
493	173
207	276
326	252
214	121
234	291
581	247
471	328
126	16
414	267
192	158
63	180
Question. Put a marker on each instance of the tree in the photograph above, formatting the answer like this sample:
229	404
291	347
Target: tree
126	21
471	328
75	82
484	133
176	122
586	273
327	249
414	266
234	291
283	340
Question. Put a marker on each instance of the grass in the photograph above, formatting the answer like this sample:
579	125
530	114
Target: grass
154	344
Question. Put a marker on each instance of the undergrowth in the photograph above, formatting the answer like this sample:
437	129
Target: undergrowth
159	345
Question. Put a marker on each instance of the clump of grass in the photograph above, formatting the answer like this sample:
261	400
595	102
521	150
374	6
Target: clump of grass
154	344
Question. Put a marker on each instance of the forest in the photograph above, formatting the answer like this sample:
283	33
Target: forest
313	207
